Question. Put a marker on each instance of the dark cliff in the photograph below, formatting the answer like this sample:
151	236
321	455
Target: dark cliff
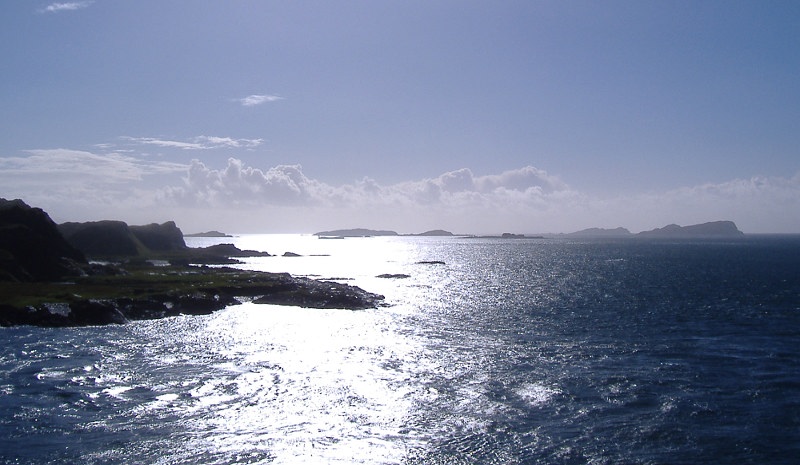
31	247
102	238
116	238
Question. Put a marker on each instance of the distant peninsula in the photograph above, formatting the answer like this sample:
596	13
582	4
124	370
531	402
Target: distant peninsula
713	229
601	232
357	232
434	233
208	234
364	232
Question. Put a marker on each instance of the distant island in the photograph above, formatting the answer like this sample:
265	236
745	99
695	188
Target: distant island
364	232
434	233
507	235
357	232
208	234
710	230
600	232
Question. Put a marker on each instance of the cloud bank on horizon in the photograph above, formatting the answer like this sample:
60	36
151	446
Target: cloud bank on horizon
76	185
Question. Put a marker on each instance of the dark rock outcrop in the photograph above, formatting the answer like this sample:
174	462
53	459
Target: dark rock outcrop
102	238
304	292
179	291
31	248
165	237
117	238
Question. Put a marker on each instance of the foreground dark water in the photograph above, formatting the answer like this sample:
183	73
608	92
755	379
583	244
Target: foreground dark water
523	351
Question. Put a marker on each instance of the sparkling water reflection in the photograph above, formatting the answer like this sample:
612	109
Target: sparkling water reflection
511	352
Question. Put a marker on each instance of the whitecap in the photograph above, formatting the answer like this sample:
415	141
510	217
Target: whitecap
536	394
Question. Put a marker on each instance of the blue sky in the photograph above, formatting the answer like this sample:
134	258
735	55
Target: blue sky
529	116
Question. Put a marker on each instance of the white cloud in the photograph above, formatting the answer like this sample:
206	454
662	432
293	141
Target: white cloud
77	185
239	185
67	6
258	99
523	200
84	185
198	143
111	167
286	184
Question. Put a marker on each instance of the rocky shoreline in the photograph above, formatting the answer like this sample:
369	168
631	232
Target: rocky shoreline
162	292
46	279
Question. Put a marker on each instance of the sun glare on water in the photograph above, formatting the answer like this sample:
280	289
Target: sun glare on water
308	385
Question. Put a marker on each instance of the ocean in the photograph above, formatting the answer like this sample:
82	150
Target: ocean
515	351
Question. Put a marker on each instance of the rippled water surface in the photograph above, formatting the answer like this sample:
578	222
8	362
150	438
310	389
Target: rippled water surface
513	351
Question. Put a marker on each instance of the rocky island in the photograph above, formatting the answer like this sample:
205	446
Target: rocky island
47	280
712	229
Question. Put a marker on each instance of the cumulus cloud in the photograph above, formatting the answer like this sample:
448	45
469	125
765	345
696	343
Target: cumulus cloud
198	143
66	6
258	99
86	185
527	199
241	185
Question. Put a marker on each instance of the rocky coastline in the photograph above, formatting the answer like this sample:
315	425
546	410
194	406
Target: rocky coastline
83	274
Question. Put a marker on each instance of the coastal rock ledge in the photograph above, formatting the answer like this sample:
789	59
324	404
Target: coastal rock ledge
46	280
171	291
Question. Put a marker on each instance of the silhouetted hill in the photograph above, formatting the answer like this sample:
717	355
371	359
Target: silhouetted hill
164	237
116	238
31	248
208	234
711	229
435	233
102	238
357	232
600	232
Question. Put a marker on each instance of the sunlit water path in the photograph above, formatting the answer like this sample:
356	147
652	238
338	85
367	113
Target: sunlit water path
528	351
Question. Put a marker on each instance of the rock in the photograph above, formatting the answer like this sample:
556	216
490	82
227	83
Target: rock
102	238
117	239
165	237
291	254
430	262
214	254
393	276
304	292
31	247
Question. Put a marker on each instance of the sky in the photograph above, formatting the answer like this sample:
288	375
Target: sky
472	116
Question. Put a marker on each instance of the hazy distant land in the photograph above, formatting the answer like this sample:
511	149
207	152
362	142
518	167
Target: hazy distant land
213	233
364	232
709	229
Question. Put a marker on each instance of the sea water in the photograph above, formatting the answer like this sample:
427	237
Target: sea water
515	351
